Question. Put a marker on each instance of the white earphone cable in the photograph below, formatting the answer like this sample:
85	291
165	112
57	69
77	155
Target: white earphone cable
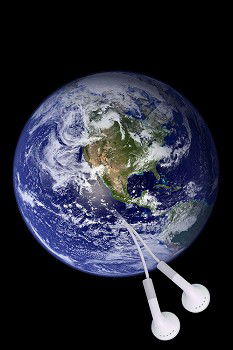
145	245
132	231
140	252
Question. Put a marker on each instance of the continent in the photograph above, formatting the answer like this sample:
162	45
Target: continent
124	149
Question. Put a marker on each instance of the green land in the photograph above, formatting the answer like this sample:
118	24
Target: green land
122	156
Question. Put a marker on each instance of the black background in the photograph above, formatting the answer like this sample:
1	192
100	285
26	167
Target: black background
49	302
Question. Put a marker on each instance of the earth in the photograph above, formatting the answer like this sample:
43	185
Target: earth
115	141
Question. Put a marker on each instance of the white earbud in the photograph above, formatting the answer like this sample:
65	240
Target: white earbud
165	325
195	297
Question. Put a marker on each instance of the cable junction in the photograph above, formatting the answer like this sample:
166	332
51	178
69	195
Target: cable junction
136	236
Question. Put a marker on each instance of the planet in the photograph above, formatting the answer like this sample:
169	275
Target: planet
115	142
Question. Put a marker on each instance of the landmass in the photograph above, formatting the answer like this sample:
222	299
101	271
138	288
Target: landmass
120	153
